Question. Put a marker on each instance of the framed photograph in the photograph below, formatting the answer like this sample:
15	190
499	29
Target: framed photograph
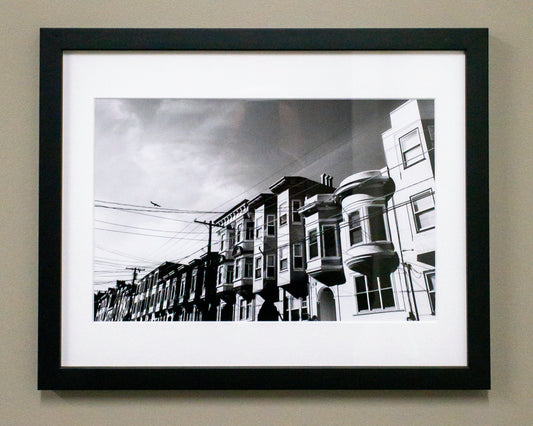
264	209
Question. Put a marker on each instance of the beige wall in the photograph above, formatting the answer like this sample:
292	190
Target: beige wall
511	209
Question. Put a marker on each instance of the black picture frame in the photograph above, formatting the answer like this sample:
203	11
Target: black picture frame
55	41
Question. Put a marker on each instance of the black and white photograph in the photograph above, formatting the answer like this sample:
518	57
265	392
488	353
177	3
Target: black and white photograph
280	210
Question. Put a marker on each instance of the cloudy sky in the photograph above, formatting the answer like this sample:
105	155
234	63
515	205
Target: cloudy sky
204	155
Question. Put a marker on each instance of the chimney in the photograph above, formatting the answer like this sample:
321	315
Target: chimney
326	180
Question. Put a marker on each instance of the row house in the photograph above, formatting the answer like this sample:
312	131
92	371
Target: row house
234	284
292	279
371	244
309	251
153	297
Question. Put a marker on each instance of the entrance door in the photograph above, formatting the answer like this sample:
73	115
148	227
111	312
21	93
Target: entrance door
268	312
326	306
227	313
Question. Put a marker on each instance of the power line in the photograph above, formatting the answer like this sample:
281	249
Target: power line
144	235
146	229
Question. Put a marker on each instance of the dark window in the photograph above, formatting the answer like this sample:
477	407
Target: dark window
313	244
282	214
248	267
298	260
377	224
271	225
356	230
258	267
220	274
238	269
373	294
229	274
329	240
430	284
283	261
296	217
271	266
249	230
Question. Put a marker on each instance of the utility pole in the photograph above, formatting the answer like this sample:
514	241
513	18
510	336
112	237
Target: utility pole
412	291
209	265
135	270
210	224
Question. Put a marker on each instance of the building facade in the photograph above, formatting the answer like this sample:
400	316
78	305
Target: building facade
306	250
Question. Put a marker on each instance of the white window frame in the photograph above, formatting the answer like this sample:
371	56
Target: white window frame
258	226
379	292
350	227
258	267
295	206
238	233
430	291
237	269
325	229
312	241
420	196
419	157
249	231
271	225
295	248
248	267
270	266
283	214
283	257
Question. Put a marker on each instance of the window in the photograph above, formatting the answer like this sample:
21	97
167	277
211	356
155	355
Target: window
296	217
430	286
271	266
248	267
271	225
222	242
182	285
229	274
313	243
377	224
238	269
249	230
329	240
231	240
193	280
297	256
258	227
423	206
242	309
249	310
356	230
283	214
411	148
258	267
220	279
373	294
283	259
239	232
305	311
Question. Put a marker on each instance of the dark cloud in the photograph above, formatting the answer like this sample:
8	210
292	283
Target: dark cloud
210	153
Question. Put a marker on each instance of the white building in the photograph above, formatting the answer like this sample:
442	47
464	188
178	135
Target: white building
371	244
